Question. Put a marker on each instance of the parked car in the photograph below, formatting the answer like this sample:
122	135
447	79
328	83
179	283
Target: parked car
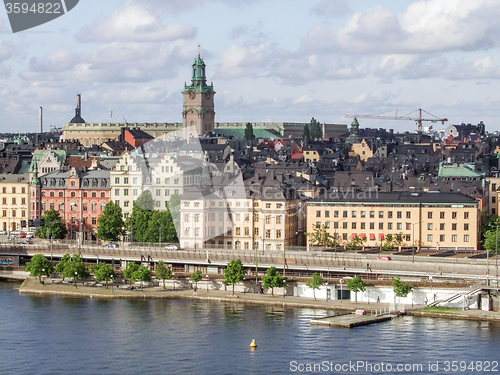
3	233
29	235
111	244
171	247
384	258
360	312
15	232
22	235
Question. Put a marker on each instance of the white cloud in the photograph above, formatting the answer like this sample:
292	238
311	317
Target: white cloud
331	8
426	26
134	23
242	61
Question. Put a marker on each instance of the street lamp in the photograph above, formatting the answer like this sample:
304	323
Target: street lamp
413	240
341	281
208	280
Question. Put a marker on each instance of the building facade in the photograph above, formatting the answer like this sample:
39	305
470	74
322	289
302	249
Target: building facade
429	221
14	201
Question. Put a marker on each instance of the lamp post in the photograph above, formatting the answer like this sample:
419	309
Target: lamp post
208	280
413	240
341	281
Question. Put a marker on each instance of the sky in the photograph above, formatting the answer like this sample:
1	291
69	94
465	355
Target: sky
269	60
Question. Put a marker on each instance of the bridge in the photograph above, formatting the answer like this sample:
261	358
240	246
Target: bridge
295	263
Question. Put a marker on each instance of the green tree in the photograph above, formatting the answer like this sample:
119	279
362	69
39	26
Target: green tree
315	130
129	272
163	272
401	289
392	241
356	285
315	283
110	223
273	279
321	237
62	264
306	133
356	243
75	268
249	135
54	226
146	201
39	266
195	277
143	274
233	273
490	236
103	272
487	221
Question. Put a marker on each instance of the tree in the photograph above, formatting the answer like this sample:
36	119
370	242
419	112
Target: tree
75	268
249	135
233	273
273	279
163	272
321	237
392	241
143	274
110	223
129	272
315	129
62	264
490	235
306	133
54	226
195	277
315	283
401	289
356	243
145	201
356	285
174	205
487	221
103	272
39	266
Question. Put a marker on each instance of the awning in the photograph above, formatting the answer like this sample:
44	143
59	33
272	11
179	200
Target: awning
362	235
353	235
380	236
372	236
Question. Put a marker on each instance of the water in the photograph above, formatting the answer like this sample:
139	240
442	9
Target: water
59	335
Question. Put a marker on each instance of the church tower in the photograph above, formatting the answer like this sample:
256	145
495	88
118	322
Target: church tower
198	110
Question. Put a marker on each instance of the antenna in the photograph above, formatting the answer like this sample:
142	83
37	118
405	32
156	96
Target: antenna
125	120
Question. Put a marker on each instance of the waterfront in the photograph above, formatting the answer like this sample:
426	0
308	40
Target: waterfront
60	335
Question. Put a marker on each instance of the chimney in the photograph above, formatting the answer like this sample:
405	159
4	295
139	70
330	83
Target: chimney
79	102
40	121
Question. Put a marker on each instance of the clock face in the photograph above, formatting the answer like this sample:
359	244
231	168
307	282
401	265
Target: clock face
208	94
192	94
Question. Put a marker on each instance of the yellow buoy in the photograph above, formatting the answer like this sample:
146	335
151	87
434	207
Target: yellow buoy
253	344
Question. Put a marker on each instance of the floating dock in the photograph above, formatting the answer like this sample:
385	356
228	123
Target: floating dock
352	320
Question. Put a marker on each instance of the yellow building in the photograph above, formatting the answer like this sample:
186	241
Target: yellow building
493	195
432	220
14	201
362	149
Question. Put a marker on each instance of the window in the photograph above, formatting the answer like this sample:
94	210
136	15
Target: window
363	225
381	214
454	238
167	192
441	238
466	238
353	213
408	214
117	180
125	204
429	238
60	194
51	194
73	194
327	213
186	218
134	180
335	214
51	206
344	225
408	238
466	215
466	226
72	183
454	226
278	205
221	216
429	215
268	219
336	224
4	200
318	213
278	219
353	225
125	191
389	214
278	233
117	192
157	192
429	226
372	214
453	215
344	214
318	224
103	206
493	187
268	205
256	232
399	226
94	206
327	225
268	233
441	226
247	231
176	181
372	225
14	201
85	194
23	213
493	199
103	195
344	236
94	221
389	226
408	226
116	202
61	207
380	226
158	181
125	180
73	206
441	215
84	206
94	194
363	214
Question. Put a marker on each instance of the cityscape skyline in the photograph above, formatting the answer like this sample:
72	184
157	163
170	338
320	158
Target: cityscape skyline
324	59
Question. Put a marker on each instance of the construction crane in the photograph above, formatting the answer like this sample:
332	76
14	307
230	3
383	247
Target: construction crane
407	116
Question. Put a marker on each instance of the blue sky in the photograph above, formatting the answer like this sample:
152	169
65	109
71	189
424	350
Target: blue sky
269	60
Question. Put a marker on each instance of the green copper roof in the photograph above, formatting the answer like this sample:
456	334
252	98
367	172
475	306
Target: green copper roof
198	78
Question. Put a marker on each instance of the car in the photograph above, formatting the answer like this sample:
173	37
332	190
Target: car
111	244
29	235
22	235
172	247
384	257
3	233
15	232
360	312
